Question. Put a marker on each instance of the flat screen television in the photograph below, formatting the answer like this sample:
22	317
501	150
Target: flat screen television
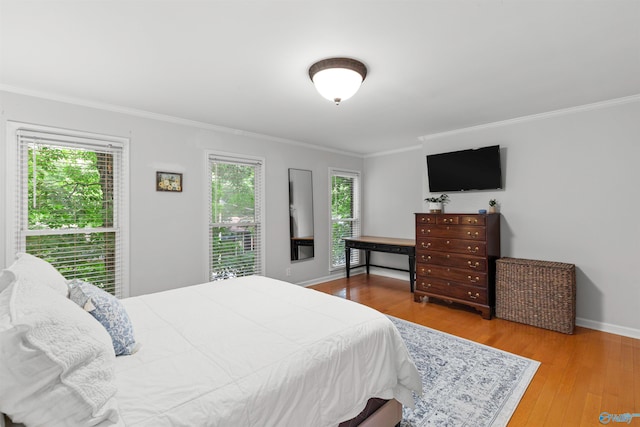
475	169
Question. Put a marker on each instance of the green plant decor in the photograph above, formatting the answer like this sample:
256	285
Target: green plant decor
443	198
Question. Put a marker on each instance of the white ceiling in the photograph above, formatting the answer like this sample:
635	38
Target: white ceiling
434	65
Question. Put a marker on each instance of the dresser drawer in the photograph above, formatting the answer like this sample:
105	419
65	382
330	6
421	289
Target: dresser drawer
448	219
451	245
452	231
437	219
452	260
426	219
452	290
452	219
473	220
474	278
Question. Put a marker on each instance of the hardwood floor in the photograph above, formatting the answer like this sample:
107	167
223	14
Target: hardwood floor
580	376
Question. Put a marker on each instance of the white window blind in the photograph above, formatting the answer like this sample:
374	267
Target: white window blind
235	219
345	215
70	205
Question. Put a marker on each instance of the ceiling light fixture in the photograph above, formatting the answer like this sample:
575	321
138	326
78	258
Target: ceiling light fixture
337	79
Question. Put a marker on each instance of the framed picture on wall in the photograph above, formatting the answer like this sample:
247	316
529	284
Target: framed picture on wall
168	181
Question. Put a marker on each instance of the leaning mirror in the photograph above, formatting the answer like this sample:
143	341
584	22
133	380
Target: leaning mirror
300	214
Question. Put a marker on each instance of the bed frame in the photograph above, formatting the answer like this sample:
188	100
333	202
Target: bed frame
389	414
377	413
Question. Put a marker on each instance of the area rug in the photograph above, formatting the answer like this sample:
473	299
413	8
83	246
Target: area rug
465	383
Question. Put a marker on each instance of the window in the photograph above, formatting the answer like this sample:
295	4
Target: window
69	202
235	217
345	214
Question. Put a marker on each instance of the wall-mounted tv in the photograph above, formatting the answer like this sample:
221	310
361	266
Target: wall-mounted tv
476	169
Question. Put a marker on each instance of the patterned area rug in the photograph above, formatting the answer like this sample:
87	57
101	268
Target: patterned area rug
465	383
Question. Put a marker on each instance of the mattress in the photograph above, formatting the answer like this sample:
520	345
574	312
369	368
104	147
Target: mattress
255	351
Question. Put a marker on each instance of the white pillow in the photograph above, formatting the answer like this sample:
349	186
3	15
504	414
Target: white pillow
35	269
57	365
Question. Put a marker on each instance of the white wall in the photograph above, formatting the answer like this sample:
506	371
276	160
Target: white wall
169	230
392	193
571	195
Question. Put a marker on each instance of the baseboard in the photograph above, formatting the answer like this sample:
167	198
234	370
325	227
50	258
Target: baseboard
585	323
339	274
394	274
608	327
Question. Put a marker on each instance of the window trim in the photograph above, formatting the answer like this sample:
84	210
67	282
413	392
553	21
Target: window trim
11	188
240	158
357	207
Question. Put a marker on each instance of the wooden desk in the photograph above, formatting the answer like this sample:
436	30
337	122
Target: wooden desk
383	244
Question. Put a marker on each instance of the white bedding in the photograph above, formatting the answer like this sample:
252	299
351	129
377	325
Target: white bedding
254	351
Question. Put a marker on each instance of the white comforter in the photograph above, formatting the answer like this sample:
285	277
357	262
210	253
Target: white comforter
255	351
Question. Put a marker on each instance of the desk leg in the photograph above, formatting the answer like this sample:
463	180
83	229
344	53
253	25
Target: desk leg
347	252
367	257
412	271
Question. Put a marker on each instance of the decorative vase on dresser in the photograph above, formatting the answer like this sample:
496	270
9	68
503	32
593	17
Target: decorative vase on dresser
435	207
456	259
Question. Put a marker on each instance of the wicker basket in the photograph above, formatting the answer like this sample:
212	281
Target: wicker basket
538	293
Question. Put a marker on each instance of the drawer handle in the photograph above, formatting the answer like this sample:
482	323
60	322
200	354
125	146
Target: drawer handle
427	245
473	250
471	265
472	280
427	258
428	231
476	296
474	221
473	235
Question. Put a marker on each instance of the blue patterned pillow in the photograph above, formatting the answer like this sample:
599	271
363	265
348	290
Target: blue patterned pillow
108	311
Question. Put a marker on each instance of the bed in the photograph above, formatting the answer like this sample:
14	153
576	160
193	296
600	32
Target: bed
248	351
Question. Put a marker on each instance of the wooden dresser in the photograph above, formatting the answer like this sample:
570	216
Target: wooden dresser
456	259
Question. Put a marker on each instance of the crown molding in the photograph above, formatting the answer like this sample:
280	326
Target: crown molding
239	132
533	117
390	152
168	119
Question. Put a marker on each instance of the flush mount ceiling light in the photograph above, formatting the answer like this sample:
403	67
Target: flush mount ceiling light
337	79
